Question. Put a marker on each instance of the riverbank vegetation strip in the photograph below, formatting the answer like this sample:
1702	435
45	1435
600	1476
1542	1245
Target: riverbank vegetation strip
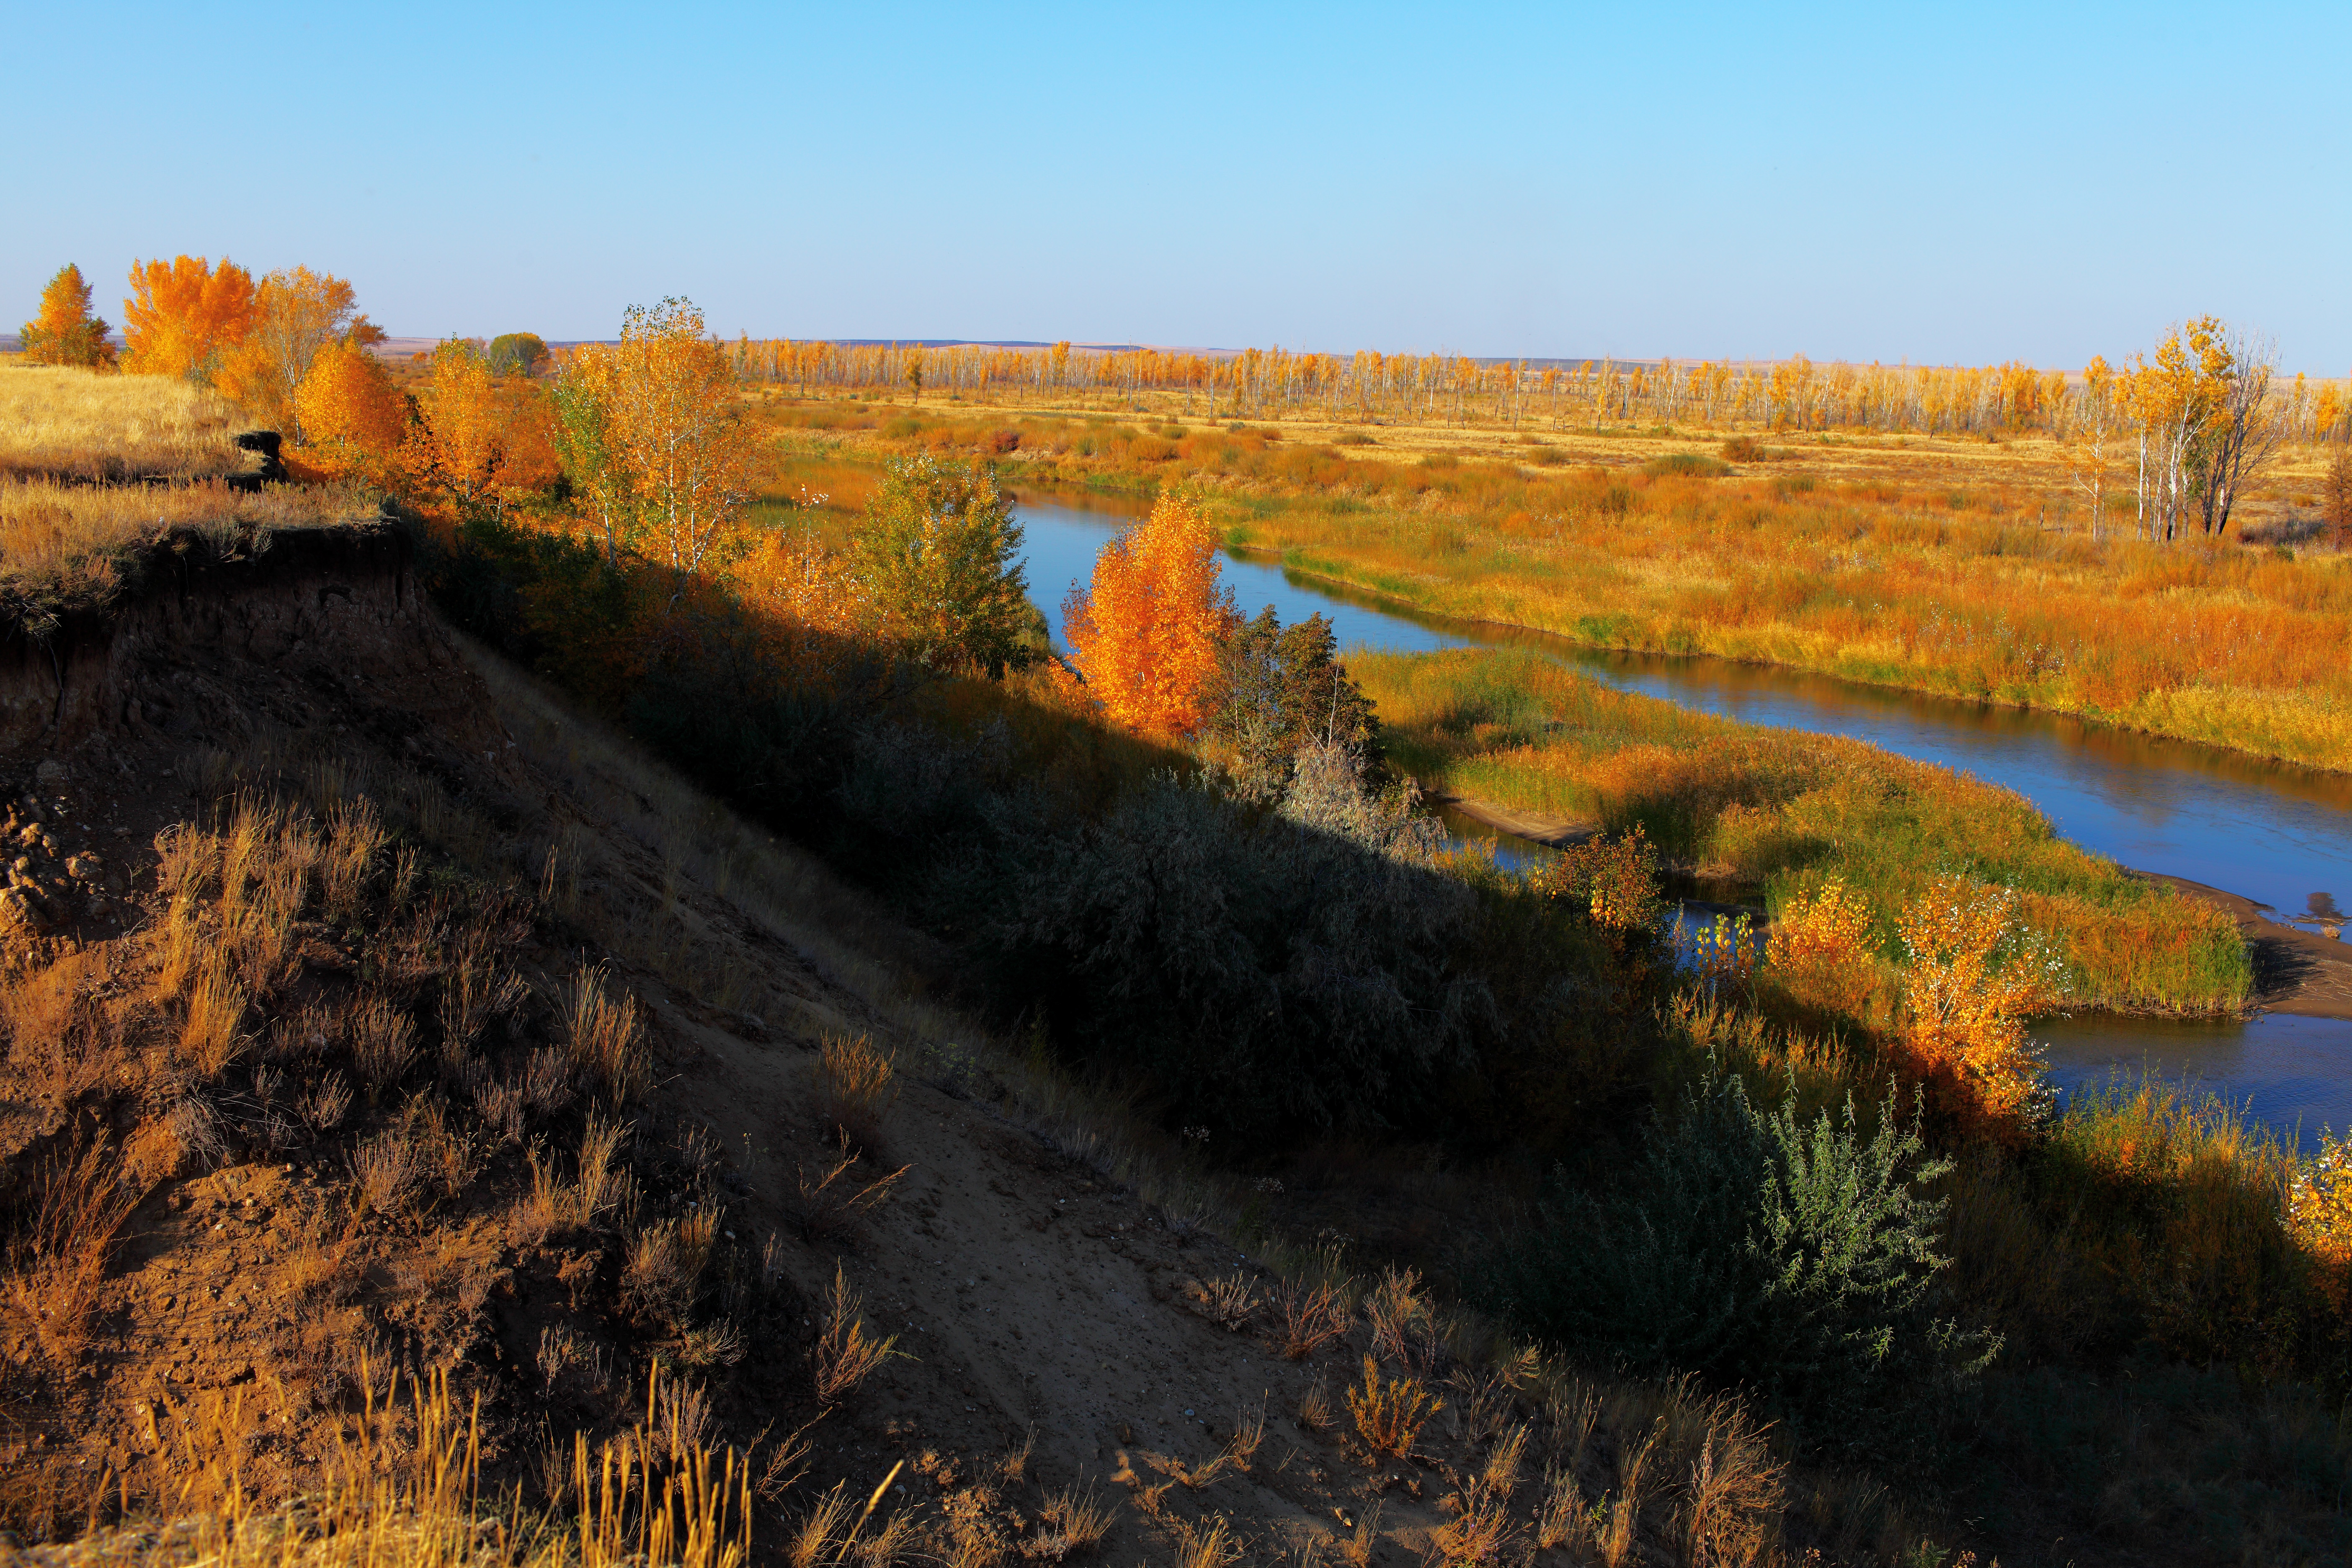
1779	812
1965	570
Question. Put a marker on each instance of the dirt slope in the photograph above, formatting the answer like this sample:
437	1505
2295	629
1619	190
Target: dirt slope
1056	1324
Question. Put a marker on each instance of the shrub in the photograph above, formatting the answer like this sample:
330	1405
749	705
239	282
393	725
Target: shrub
1823	949
1972	974
1753	1248
1388	1413
1692	464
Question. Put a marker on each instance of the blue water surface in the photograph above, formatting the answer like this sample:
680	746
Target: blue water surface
2279	835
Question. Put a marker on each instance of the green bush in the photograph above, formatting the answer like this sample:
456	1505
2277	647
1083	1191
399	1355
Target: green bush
1753	1248
1691	463
516	353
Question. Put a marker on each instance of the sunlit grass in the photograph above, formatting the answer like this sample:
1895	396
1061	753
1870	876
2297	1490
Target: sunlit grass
87	425
1780	811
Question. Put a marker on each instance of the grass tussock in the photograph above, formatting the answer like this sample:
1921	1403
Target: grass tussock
88	425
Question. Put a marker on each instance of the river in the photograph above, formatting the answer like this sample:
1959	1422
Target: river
2279	835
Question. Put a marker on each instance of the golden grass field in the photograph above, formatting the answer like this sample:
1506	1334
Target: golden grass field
1960	567
88	425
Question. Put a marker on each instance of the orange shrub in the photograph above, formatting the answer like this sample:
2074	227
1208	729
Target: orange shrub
1821	948
2319	1213
1971	976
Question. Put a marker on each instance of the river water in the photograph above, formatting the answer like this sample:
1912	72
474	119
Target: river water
2279	835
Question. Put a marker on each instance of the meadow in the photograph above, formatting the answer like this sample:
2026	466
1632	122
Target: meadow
1964	567
58	422
1775	813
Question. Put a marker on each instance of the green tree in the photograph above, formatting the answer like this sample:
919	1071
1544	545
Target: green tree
516	354
586	449
1279	691
938	560
65	333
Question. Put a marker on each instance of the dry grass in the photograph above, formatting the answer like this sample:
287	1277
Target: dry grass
87	425
1390	1412
65	544
1311	1315
1232	1302
845	1355
855	1085
56	1265
835	1198
606	1038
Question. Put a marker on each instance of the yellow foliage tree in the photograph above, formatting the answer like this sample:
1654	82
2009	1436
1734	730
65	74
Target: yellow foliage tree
1821	948
1148	631
65	333
353	418
677	429
1972	975
458	444
186	316
295	313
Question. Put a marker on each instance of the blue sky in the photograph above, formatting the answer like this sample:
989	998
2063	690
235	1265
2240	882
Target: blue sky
1930	183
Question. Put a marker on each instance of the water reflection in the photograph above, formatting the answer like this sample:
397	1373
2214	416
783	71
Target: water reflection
2269	831
2287	1072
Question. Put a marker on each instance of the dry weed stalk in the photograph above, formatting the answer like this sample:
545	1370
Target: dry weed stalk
1398	1308
845	1355
1481	1534
834	1205
1242	1448
1388	1413
1070	1521
1617	1528
1314	1406
1312	1316
385	1170
1734	1494
1356	1550
1209	1547
212	1033
384	1043
1502	1473
1232	1302
57	1260
1562	1518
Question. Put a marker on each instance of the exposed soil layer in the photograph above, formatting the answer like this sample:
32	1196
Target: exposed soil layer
1043	1309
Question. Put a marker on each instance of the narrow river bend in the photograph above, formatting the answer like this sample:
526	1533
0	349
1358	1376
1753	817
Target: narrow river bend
2279	835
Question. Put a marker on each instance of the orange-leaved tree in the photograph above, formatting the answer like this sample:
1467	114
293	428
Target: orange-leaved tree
186	316
65	333
474	440
1972	975
352	416
295	313
1149	629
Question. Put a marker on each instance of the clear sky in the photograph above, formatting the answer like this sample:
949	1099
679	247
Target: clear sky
1934	183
